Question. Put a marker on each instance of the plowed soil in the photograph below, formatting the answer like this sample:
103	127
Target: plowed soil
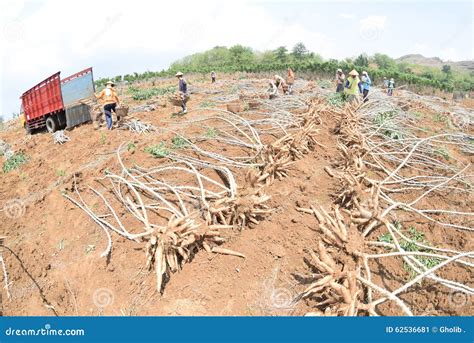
52	249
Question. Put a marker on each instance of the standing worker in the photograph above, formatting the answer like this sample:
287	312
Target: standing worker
290	80
352	85
385	83
391	86
213	76
183	91
366	83
340	77
110	100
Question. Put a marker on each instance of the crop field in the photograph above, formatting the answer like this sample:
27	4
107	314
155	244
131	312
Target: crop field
300	205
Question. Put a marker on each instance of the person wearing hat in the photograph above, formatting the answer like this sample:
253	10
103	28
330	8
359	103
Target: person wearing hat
391	86
366	83
340	77
385	83
213	76
352	85
183	91
109	99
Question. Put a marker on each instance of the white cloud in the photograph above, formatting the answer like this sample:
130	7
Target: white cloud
124	36
348	15
449	54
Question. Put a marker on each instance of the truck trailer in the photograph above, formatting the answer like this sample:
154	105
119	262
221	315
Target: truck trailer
58	104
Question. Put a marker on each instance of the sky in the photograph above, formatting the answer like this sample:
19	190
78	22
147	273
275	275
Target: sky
39	38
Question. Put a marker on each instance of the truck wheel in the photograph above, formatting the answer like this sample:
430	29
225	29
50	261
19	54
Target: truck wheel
28	129
52	124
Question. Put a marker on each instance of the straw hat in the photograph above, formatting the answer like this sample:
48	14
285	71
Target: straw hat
354	73
364	73
110	83
392	79
179	74
339	70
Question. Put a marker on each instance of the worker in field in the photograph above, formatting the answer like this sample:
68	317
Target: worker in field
385	83
280	82
352	86
290	80
183	91
109	99
273	90
213	76
366	83
340	79
391	86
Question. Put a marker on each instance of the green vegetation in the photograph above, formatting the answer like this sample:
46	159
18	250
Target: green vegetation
388	128
443	152
103	138
131	147
239	58
179	142
417	237
158	150
439	118
60	172
325	84
14	162
207	104
337	99
147	93
211	133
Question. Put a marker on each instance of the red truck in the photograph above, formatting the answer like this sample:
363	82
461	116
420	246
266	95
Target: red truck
58	104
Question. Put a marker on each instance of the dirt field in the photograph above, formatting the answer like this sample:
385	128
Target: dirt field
52	249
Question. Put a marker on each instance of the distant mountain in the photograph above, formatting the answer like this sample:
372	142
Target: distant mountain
436	62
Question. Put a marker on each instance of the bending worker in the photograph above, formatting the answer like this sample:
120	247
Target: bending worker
108	97
183	91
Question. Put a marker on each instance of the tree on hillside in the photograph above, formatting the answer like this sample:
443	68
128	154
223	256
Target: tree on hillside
240	55
447	70
299	51
362	60
281	54
383	61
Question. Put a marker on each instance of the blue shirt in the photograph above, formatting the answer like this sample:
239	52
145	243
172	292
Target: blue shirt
366	82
